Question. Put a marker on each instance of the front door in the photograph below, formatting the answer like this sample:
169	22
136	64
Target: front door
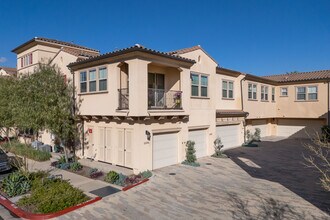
124	150
156	90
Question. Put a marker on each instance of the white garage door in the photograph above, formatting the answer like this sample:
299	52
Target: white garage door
230	135
297	128
165	150
262	124
199	137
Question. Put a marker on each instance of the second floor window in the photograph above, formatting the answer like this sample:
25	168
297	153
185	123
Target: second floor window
103	75
92	80
273	94
199	85
26	60
306	93
227	89
83	82
264	93
252	91
284	91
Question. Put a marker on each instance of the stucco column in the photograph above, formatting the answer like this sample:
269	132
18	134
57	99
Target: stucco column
138	87
185	88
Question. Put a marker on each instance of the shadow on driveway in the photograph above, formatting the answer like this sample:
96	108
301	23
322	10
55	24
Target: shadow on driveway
282	162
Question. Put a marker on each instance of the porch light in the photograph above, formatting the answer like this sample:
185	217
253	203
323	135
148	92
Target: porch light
148	135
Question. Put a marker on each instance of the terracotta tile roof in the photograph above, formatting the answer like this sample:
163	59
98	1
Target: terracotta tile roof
135	48
231	112
185	50
302	76
190	49
9	70
79	53
53	41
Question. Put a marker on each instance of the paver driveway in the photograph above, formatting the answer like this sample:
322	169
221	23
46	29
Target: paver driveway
255	183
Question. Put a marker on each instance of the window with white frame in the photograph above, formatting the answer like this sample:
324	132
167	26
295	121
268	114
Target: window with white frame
26	60
199	85
227	89
264	93
92	80
252	91
273	94
306	93
83	82
103	76
284	91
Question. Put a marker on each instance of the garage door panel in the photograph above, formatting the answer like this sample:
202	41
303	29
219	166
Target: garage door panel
199	137
165	150
298	128
230	135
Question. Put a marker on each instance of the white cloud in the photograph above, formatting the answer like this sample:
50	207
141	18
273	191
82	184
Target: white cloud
3	59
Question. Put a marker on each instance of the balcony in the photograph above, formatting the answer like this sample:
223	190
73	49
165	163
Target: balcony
159	99
123	98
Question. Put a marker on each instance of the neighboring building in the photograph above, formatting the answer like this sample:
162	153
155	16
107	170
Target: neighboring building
139	106
289	105
43	50
8	71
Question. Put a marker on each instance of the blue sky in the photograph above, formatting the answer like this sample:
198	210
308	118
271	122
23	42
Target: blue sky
259	37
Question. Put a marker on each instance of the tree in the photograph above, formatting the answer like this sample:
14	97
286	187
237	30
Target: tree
6	104
44	100
319	158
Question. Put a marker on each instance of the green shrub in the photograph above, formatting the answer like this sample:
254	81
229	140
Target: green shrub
26	151
111	177
194	164
51	196
15	184
75	166
62	159
121	180
190	155
146	174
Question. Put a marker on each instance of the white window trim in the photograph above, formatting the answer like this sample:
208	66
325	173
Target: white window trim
273	94
86	81
306	94
200	85
227	90
264	91
99	79
253	92
287	91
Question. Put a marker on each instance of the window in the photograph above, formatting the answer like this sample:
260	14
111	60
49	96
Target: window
273	94
26	60
227	89
194	85
284	91
304	93
264	93
103	75
83	82
252	91
92	80
199	85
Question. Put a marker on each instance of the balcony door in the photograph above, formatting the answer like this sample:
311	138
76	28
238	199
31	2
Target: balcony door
156	90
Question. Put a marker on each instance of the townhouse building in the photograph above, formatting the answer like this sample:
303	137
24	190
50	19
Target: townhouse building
139	107
7	71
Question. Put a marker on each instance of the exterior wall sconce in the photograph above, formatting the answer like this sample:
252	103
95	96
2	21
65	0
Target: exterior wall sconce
148	135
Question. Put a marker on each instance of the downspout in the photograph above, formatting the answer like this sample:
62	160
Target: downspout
242	108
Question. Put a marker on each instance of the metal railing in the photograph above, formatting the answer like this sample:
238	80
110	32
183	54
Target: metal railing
123	98
159	99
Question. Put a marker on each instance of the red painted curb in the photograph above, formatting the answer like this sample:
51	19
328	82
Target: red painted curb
27	215
136	184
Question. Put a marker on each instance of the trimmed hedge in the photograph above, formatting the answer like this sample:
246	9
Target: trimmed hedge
26	151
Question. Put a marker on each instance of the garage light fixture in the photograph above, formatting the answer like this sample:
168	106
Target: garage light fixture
148	135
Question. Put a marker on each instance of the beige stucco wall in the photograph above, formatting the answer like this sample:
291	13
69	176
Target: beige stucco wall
232	104
288	107
258	109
